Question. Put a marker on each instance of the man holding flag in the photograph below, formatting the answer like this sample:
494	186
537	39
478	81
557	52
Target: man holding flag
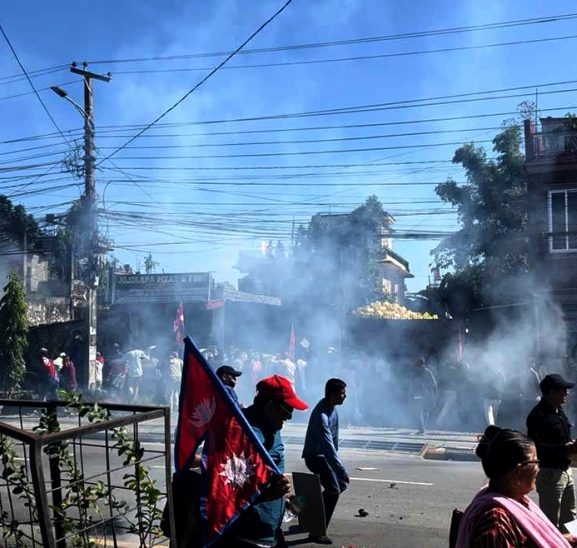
273	404
243	462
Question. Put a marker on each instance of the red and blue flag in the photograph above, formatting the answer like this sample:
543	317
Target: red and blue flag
235	465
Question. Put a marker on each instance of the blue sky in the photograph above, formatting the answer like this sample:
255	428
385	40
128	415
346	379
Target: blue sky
232	165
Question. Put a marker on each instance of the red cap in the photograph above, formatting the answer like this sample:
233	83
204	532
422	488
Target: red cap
280	388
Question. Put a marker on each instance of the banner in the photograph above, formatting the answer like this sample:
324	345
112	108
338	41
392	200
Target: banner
235	465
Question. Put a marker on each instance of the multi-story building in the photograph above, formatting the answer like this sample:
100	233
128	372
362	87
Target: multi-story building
551	167
48	299
392	268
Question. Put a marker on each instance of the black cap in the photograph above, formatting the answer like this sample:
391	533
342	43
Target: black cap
554	382
227	369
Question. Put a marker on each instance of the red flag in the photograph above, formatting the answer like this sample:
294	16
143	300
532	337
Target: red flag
178	325
292	344
235	466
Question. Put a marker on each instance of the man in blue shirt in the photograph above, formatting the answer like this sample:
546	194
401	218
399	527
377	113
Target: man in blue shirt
260	524
228	376
320	450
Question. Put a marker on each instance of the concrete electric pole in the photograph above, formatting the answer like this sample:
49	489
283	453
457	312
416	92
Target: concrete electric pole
89	238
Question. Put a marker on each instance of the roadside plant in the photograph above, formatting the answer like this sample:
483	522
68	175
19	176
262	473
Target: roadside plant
81	505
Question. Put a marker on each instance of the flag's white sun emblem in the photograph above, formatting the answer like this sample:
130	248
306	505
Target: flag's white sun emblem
203	412
237	470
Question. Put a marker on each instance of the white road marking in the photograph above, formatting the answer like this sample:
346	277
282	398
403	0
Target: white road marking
401	482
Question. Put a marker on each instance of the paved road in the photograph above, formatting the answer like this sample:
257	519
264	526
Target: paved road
408	498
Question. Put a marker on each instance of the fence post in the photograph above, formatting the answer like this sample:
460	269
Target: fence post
168	469
56	482
40	494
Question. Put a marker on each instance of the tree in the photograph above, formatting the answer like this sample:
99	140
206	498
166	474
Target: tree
13	336
490	250
16	223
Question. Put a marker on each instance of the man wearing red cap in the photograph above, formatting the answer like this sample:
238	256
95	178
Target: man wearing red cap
260	524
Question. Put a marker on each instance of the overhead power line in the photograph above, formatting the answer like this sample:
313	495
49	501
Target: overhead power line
32	73
209	75
32	85
359	57
108	131
354	41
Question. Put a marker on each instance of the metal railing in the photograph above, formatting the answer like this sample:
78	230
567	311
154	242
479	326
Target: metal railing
71	479
552	144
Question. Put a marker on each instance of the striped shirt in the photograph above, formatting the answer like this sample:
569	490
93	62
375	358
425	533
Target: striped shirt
495	528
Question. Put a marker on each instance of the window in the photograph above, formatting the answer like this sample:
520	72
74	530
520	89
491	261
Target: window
563	220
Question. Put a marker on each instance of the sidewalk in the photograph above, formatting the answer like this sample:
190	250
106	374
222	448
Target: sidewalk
437	445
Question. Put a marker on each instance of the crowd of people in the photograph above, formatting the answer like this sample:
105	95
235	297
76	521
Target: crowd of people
515	463
423	391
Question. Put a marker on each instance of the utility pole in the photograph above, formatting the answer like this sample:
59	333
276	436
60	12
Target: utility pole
89	237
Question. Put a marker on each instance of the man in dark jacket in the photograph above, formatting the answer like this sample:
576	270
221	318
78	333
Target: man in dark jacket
228	376
550	429
260	524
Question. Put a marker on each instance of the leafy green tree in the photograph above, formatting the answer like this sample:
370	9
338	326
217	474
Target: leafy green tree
13	335
16	223
490	250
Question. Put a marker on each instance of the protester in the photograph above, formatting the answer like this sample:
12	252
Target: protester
59	361
320	450
48	381
174	379
134	372
260	524
95	373
228	376
78	355
501	514
550	429
68	374
425	392
115	374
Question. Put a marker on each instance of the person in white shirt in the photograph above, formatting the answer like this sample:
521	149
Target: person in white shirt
134	372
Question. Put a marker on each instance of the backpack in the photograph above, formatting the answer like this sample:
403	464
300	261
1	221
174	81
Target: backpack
456	518
186	498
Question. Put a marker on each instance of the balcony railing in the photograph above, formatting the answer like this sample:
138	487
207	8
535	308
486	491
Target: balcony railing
555	143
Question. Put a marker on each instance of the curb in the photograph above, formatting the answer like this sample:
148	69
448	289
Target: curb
453	453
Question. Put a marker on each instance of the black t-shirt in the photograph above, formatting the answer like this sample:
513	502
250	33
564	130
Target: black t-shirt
550	429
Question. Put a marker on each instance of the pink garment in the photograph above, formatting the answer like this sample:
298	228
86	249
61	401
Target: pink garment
529	518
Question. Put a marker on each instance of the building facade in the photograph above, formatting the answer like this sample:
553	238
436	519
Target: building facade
48	299
551	167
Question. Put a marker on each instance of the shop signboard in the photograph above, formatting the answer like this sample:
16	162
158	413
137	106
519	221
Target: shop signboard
161	288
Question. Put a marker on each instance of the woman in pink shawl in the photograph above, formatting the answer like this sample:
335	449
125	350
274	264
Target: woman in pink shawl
501	515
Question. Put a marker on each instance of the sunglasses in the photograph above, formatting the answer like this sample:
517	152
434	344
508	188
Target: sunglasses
285	408
527	462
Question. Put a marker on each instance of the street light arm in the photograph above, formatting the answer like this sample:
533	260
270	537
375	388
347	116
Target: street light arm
62	93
